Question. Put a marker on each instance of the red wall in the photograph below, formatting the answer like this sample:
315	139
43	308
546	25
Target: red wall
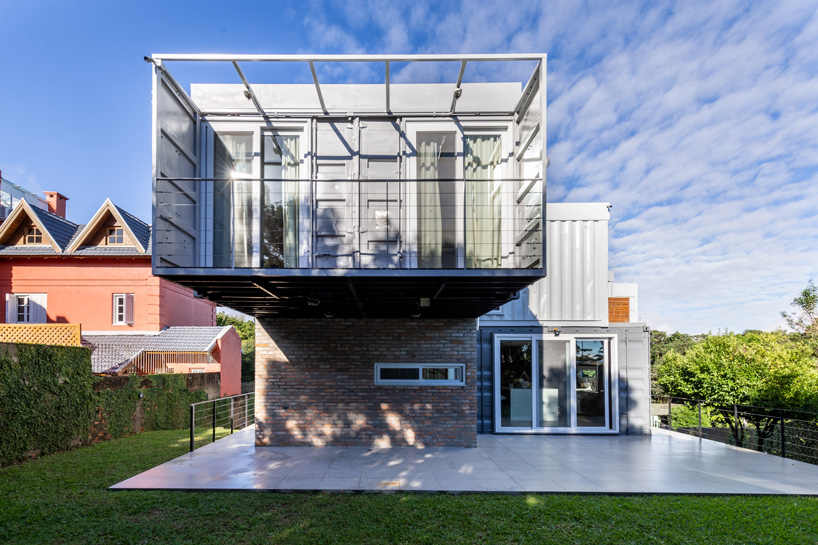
228	352
80	290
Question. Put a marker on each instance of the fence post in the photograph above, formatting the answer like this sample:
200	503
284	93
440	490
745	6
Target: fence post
214	421
246	413
783	435
192	425
699	403
231	415
669	415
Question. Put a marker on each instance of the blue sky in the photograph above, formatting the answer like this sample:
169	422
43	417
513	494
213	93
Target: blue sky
697	121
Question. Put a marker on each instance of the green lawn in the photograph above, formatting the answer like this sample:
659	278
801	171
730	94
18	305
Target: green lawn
63	498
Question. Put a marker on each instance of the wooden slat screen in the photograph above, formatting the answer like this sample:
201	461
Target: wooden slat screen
619	310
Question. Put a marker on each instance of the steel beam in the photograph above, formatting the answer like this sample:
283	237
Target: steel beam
318	88
216	57
249	90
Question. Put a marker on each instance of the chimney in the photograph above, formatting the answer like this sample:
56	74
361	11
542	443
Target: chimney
56	203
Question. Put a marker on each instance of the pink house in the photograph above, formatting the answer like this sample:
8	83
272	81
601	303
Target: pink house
99	275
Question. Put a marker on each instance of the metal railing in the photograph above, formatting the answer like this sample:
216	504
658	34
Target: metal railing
267	223
217	418
777	431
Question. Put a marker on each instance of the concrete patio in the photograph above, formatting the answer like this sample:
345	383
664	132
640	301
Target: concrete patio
664	463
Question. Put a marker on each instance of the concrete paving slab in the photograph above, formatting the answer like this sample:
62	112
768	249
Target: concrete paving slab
663	463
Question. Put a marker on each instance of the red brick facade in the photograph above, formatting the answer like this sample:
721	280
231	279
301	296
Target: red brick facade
315	383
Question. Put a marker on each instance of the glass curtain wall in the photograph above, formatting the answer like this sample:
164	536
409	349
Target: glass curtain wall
437	214
279	237
483	201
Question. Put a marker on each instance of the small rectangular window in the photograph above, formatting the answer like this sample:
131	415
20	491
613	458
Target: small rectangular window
420	374
23	309
34	236
115	236
123	309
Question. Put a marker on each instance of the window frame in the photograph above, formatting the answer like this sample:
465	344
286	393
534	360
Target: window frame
34	235
126	302
420	381
112	233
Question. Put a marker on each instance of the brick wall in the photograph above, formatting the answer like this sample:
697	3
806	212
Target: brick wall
315	383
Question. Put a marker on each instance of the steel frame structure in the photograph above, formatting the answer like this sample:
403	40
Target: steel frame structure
479	290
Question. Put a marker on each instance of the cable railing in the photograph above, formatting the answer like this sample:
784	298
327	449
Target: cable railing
781	432
266	223
217	418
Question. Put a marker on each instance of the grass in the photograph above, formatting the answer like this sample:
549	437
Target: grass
63	498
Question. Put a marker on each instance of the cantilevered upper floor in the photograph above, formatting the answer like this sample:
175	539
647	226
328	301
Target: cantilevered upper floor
402	186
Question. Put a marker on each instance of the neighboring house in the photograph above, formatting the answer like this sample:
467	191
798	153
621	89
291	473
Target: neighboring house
176	349
367	226
96	274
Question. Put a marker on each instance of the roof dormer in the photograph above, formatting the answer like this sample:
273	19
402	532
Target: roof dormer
33	227
112	226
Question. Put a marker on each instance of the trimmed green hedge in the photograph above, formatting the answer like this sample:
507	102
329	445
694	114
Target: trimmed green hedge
50	401
164	405
45	399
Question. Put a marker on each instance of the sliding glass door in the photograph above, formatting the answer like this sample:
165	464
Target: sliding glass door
554	384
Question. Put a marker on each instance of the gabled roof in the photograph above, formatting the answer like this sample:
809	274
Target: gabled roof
111	353
137	230
56	230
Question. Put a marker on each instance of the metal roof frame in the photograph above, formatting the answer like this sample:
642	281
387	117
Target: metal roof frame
532	84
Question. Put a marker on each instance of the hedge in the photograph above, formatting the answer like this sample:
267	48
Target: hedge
48	401
164	405
45	401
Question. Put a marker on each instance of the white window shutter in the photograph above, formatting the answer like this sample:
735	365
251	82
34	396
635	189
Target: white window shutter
38	314
11	309
129	300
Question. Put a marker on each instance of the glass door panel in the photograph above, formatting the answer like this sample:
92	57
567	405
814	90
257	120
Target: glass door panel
591	377
515	384
437	209
553	391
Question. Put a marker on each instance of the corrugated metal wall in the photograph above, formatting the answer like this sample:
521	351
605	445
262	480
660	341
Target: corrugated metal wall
574	292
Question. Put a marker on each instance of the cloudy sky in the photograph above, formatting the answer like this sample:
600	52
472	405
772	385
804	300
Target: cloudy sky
697	121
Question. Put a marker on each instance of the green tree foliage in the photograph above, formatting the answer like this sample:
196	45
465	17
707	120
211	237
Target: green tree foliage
805	319
766	369
662	343
771	370
247	333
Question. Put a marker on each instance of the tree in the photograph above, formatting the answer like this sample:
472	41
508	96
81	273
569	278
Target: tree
247	333
661	344
769	370
805	319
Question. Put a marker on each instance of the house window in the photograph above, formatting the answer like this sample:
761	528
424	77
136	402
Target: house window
26	308
420	374
34	236
115	236
123	309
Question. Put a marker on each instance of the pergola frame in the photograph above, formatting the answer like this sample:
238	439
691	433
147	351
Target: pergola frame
534	82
